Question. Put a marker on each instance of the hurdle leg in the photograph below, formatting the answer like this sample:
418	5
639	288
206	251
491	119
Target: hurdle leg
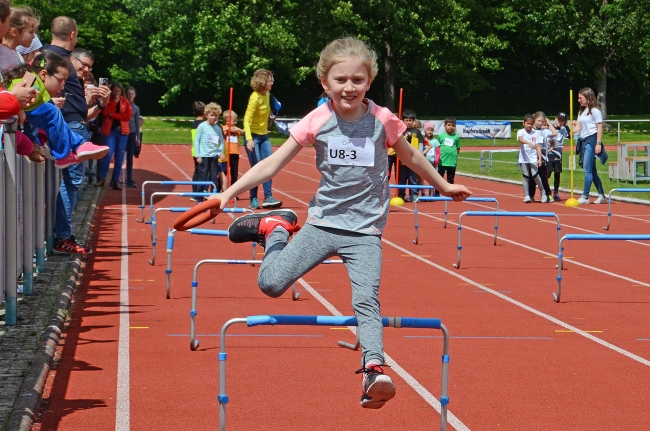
168	271
459	247
556	296
609	209
444	398
254	255
194	343
415	213
153	243
444	220
356	344
294	295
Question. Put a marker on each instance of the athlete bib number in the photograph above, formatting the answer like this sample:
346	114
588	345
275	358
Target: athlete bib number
350	151
213	139
448	142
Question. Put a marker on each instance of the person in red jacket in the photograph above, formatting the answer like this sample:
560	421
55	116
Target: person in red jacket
115	129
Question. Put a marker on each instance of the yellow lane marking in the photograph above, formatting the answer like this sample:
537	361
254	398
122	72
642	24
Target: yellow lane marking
567	330
138	327
151	280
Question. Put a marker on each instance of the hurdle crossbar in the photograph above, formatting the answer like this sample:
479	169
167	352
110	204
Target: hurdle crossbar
609	201
170	183
178	194
395	322
589	237
194	343
502	214
153	222
446	200
170	248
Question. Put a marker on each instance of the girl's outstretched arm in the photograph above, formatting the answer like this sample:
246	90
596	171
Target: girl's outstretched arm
416	161
262	171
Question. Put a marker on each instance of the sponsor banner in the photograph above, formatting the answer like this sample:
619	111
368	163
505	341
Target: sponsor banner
483	129
283	125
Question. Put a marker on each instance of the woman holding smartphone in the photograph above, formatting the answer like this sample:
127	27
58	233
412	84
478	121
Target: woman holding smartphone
115	130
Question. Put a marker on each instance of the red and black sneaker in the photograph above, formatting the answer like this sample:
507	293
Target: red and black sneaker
257	227
377	387
71	246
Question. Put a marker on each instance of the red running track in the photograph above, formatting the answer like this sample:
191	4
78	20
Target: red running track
518	359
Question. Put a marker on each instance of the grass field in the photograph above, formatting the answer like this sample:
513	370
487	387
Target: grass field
177	131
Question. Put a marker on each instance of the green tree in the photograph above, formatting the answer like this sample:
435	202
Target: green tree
601	32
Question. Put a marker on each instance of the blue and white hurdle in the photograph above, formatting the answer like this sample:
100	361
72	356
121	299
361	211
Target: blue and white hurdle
154	237
609	201
446	200
395	322
589	237
503	214
177	194
194	231
194	343
168	183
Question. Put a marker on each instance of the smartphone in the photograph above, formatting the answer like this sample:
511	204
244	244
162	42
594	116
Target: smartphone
29	79
103	81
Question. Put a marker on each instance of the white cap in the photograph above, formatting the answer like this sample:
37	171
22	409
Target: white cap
36	45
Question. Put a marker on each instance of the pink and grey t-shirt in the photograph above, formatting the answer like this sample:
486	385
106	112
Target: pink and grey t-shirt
351	156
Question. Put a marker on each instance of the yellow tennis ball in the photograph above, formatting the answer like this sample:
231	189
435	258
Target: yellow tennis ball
397	201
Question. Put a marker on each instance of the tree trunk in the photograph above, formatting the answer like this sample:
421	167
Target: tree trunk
601	92
389	78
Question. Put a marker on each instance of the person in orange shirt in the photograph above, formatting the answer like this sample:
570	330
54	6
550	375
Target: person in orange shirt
232	134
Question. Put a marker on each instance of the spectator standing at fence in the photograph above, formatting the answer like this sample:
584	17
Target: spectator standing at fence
25	95
198	109
406	175
21	31
208	147
76	113
555	153
256	129
449	149
133	140
115	130
590	144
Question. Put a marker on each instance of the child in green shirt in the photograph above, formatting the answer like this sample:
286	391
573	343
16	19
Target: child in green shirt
449	149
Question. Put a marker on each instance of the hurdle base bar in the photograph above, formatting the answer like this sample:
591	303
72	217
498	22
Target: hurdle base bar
354	346
396	322
590	237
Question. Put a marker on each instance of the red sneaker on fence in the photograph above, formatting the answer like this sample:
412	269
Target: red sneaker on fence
69	160
377	387
257	227
88	150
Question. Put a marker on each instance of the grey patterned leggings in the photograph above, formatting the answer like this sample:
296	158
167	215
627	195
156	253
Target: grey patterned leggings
284	263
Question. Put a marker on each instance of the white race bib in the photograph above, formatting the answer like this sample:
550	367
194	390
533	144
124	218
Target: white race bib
213	139
350	151
234	139
448	142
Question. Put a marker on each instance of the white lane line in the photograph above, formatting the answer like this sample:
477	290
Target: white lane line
123	400
524	306
170	161
409	379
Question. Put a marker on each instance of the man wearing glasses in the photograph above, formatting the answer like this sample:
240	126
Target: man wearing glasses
76	113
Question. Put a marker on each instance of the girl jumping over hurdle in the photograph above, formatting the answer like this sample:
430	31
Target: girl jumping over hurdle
347	216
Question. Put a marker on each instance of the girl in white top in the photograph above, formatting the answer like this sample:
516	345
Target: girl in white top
530	157
590	126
